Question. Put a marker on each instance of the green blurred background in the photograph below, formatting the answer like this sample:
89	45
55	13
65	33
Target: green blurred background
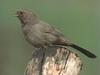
79	20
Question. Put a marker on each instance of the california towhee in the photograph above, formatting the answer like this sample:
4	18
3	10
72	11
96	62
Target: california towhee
41	34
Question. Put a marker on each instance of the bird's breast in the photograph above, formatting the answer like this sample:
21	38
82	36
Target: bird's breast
33	35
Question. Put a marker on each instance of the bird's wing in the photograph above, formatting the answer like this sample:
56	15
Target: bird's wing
52	30
52	34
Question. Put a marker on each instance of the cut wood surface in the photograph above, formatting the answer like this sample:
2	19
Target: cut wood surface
54	61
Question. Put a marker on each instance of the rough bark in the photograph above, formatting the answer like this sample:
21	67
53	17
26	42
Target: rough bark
54	61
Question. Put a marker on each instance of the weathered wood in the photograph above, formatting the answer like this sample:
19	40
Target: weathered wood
54	61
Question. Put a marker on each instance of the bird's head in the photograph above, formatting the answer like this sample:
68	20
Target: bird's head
26	16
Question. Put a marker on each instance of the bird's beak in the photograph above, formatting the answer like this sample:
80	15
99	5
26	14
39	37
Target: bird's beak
17	14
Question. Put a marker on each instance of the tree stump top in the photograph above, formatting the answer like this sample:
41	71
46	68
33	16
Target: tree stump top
54	61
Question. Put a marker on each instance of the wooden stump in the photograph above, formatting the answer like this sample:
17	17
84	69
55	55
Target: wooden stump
54	61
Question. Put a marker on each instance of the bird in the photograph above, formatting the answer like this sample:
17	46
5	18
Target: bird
40	34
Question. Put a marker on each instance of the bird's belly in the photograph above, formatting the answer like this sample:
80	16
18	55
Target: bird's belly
35	39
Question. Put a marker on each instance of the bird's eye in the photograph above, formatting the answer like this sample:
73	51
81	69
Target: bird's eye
21	13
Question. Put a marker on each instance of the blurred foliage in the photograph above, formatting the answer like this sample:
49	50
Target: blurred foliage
79	20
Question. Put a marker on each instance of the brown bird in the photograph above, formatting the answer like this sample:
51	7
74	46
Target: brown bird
41	34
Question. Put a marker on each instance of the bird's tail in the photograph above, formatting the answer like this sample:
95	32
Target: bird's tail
84	51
